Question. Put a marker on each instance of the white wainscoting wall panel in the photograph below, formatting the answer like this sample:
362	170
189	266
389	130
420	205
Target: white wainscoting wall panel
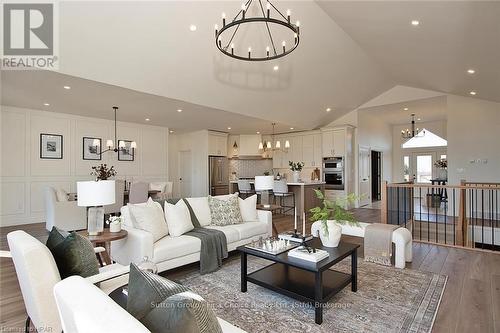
23	175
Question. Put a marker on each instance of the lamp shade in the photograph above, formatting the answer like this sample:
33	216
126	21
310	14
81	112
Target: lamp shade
264	183
94	193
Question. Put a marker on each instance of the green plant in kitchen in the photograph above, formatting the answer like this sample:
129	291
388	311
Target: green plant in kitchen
267	173
296	166
102	172
333	210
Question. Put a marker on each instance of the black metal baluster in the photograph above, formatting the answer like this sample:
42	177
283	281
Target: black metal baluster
454	212
397	198
428	216
420	212
445	219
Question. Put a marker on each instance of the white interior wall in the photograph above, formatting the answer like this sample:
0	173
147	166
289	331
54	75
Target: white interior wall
473	131
24	175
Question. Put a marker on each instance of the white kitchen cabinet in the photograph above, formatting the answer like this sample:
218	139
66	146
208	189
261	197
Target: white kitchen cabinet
296	149
217	144
334	142
308	150
318	156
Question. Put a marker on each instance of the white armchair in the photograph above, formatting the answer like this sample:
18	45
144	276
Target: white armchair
64	215
37	274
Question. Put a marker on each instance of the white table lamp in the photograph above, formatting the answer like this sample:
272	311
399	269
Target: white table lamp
95	195
263	184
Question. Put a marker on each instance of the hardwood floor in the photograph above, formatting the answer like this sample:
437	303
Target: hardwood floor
471	301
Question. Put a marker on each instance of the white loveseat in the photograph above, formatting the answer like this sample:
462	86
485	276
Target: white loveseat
171	252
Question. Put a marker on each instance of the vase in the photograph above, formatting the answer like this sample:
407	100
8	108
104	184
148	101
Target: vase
442	174
295	176
115	227
330	239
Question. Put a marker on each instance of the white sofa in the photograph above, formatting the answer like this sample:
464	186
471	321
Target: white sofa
94	312
171	252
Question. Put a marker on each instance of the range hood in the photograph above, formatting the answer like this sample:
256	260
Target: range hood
246	147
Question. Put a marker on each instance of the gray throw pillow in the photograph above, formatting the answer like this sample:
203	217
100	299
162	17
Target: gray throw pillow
164	306
73	254
225	211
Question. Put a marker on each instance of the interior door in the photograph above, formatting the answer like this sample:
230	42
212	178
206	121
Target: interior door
364	176
185	173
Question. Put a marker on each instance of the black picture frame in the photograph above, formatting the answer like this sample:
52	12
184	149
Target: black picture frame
51	150
87	154
127	153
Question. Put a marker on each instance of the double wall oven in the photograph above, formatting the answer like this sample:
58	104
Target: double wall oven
333	173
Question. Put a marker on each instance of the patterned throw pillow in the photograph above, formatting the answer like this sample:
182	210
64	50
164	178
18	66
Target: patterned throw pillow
165	306
225	211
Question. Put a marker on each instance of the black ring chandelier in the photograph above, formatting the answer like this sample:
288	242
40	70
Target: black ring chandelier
270	52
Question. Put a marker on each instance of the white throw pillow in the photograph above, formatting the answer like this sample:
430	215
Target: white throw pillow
61	195
178	218
248	208
226	196
201	209
149	218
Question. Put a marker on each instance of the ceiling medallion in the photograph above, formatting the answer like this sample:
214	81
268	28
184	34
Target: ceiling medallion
271	16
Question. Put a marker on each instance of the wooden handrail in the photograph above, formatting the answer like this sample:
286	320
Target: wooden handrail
478	187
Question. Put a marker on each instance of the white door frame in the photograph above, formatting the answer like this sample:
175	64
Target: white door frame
369	149
179	159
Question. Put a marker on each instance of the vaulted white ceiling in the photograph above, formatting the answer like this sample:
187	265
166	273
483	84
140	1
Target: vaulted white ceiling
350	52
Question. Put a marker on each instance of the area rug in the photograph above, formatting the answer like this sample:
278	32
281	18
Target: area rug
387	300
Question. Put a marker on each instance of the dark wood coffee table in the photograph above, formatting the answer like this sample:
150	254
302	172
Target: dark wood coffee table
305	281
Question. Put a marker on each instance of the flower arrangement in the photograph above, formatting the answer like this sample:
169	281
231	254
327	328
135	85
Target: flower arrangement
441	164
101	172
333	210
296	166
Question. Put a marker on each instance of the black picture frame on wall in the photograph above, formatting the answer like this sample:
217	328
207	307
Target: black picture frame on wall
51	146
126	153
89	151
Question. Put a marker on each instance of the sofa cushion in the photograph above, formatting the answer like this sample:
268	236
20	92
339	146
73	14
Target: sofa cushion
178	218
149	218
73	254
61	195
164	306
232	235
224	212
125	214
201	209
173	247
248	208
250	229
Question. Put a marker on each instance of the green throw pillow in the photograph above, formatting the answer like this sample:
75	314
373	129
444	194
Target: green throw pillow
73	253
225	212
164	306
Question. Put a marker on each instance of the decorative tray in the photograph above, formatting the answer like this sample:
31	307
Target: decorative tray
272	246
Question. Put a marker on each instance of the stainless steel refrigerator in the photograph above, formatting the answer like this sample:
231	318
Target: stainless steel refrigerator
218	168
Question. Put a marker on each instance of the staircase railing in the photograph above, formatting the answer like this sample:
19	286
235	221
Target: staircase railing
465	215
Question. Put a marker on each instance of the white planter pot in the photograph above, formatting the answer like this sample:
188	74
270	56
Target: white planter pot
295	176
115	227
330	239
442	174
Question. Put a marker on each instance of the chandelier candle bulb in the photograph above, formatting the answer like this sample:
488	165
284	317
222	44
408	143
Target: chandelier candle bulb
243	8
249	52
287	144
109	144
298	26
133	145
267	51
278	144
288	13
284	46
232	48
268	7
223	19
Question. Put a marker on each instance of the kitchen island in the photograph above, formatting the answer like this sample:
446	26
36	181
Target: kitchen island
305	198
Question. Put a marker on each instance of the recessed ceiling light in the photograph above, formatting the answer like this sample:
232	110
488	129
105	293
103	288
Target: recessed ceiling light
291	128
67	87
147	119
276	67
46	104
415	22
406	109
328	109
179	110
229	128
192	27
171	131
472	93
419	118
258	132
471	71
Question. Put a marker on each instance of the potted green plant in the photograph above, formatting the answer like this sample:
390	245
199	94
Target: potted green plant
329	217
296	168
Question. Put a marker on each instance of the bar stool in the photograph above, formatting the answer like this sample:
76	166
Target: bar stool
281	191
245	188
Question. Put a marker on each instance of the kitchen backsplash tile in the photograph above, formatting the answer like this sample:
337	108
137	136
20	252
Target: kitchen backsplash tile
249	168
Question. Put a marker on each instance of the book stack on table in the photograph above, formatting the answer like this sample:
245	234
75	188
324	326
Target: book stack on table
304	253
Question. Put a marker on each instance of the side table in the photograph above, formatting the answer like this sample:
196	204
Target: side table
104	239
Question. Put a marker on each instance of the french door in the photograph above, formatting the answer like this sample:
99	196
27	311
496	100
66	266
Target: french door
419	166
